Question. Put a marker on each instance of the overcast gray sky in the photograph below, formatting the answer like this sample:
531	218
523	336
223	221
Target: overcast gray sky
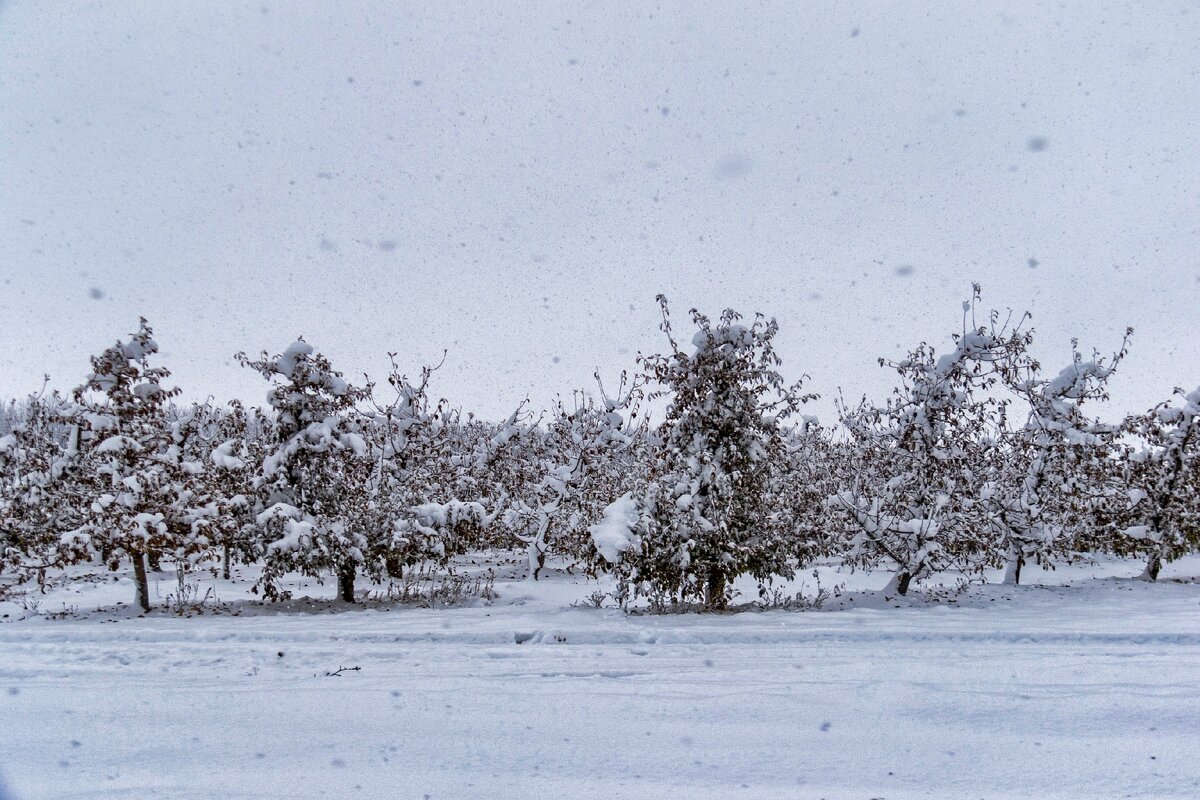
515	182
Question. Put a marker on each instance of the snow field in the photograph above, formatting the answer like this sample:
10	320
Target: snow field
1082	684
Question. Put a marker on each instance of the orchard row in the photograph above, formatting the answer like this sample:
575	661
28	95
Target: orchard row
978	458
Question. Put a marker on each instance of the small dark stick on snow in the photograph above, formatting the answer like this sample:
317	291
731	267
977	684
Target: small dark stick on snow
340	670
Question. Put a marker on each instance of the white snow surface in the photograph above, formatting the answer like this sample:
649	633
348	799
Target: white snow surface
613	534
223	457
1084	683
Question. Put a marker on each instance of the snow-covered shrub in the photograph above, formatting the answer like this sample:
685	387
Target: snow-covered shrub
707	511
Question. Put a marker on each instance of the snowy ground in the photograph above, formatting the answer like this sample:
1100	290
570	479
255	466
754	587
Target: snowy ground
1086	684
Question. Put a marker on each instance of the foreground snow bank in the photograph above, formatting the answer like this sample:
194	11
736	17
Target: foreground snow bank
1083	689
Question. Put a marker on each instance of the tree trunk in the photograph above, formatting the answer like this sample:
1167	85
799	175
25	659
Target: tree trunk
142	586
394	566
152	557
1012	572
346	584
899	583
1150	573
225	562
715	591
537	550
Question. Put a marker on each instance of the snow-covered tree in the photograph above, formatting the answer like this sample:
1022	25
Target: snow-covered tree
589	458
138	503
34	502
809	476
1161	476
314	479
225	447
420	479
1041	494
921	460
707	512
